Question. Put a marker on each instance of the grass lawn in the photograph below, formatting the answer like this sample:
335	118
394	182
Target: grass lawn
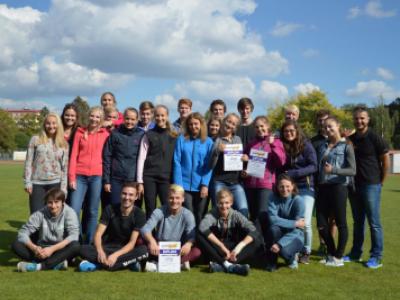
310	281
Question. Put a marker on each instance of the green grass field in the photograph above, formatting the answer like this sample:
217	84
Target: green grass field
310	281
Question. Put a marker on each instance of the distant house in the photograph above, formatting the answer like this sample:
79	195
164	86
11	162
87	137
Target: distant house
17	114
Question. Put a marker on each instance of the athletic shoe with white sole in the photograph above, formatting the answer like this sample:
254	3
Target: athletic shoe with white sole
87	266
24	266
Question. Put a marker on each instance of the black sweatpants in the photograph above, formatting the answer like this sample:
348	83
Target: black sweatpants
332	200
138	254
69	252
197	205
152	188
215	254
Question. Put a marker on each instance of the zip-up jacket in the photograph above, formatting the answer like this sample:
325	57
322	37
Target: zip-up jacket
120	154
236	229
191	163
156	155
275	160
86	156
302	167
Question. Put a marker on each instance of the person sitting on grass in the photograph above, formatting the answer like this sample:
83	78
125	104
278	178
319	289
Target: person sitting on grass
284	235
172	223
50	237
228	237
115	240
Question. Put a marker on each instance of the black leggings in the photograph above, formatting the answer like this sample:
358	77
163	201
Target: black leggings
139	253
68	252
36	199
332	199
152	188
215	254
197	205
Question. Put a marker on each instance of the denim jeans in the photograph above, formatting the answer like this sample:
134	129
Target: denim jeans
365	202
288	253
307	194
92	185
239	196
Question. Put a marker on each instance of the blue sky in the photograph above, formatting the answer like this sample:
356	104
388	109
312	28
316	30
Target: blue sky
162	50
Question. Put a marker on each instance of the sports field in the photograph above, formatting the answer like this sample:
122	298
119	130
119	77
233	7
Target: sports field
314	281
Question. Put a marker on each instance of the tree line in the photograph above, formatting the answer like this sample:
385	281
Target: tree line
385	119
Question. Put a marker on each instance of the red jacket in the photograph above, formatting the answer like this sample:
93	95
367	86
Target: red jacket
86	154
276	159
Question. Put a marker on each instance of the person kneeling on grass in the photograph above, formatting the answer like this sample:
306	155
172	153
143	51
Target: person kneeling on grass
228	237
50	237
115	240
172	223
284	234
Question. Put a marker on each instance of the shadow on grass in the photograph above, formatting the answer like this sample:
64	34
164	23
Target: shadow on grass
6	255
15	224
393	190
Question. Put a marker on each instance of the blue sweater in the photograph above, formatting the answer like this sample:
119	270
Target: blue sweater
284	212
191	163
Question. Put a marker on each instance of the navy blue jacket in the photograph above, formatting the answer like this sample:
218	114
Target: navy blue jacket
120	154
302	167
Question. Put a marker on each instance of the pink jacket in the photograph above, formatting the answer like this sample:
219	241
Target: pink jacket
276	159
86	155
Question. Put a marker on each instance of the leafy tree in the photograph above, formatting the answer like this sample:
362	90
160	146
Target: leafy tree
29	124
8	130
21	140
83	108
381	122
308	104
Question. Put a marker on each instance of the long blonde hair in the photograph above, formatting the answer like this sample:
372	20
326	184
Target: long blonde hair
169	127
59	139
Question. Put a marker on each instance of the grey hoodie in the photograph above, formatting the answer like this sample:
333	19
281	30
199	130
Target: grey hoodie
52	230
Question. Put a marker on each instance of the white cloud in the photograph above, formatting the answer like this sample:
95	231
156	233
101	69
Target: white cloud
84	47
372	9
372	89
385	73
48	77
273	91
305	88
309	53
284	28
354	12
34	104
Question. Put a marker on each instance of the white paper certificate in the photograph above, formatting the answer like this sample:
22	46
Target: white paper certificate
233	157
169	259
257	163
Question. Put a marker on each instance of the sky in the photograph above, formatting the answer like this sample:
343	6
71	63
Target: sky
162	50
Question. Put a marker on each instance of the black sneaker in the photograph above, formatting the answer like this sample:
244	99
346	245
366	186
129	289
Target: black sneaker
304	258
239	269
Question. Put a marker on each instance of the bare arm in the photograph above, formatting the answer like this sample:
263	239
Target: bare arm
385	161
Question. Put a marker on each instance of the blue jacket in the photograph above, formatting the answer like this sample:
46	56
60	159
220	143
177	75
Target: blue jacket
120	154
191	163
302	167
284	212
342	159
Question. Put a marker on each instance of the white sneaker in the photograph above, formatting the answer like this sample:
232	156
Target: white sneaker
335	262
185	266
150	266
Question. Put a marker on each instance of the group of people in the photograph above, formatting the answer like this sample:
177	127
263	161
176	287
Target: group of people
122	160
